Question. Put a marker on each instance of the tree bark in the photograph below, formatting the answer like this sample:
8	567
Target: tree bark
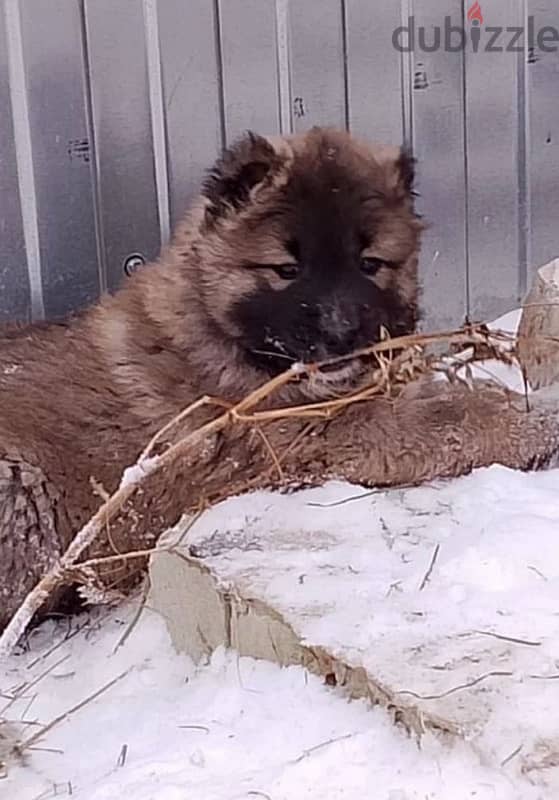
538	332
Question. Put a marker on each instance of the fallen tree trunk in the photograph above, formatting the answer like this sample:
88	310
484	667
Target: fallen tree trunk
443	432
428	429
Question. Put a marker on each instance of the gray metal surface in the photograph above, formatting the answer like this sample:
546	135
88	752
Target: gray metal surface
249	66
543	144
437	136
493	115
191	82
317	49
122	125
60	150
15	296
113	110
374	71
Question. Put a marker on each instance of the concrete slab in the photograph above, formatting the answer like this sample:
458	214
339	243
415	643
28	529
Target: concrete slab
441	603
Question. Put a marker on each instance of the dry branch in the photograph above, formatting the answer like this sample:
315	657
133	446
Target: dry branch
400	362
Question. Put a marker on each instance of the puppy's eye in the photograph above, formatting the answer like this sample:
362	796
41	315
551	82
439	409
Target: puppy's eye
370	266
288	272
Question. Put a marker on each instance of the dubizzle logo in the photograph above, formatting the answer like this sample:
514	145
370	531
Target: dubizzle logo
475	17
474	14
453	38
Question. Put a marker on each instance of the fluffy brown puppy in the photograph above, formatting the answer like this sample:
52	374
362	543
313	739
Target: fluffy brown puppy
298	249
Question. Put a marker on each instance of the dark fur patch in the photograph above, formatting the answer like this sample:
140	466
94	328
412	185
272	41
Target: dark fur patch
241	167
333	205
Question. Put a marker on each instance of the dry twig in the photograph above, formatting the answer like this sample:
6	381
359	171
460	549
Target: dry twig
400	360
27	743
468	685
427	575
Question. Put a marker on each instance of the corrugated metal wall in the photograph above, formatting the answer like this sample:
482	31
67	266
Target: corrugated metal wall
111	109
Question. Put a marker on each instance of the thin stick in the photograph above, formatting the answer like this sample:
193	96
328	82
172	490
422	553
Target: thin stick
310	750
19	692
513	639
137	614
427	575
186	412
121	761
26	744
61	641
512	755
485	676
103	560
271	451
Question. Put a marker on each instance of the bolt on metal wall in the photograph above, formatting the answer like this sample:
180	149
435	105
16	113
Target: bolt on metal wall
112	111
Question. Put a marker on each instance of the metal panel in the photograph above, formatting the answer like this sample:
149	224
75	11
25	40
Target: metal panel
120	96
493	163
15	300
57	120
149	90
191	91
438	141
543	93
317	44
250	73
374	71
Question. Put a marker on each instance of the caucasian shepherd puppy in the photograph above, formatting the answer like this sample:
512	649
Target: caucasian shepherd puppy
298	249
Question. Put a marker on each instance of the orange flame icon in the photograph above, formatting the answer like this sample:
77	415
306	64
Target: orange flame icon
475	14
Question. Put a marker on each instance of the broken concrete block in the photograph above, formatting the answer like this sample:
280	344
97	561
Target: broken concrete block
439	602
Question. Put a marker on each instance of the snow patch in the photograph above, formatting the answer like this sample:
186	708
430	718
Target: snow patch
234	729
138	471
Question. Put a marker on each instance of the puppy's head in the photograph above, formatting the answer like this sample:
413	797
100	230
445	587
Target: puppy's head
308	249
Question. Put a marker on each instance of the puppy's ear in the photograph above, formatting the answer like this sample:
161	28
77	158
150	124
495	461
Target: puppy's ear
406	170
246	164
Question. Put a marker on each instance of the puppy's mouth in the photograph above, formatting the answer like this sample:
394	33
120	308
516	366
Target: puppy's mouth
341	373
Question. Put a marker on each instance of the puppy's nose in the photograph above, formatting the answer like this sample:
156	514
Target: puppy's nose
340	327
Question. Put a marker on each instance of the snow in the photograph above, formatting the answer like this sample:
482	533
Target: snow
138	471
234	728
508	375
346	569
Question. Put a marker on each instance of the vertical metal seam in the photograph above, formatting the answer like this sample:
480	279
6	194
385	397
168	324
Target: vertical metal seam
523	165
219	73
406	83
284	67
345	64
24	156
466	168
93	154
157	117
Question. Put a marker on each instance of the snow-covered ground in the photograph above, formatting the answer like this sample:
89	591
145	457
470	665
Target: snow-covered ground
234	728
231	730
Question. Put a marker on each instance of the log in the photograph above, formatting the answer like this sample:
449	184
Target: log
444	432
538	331
432	430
